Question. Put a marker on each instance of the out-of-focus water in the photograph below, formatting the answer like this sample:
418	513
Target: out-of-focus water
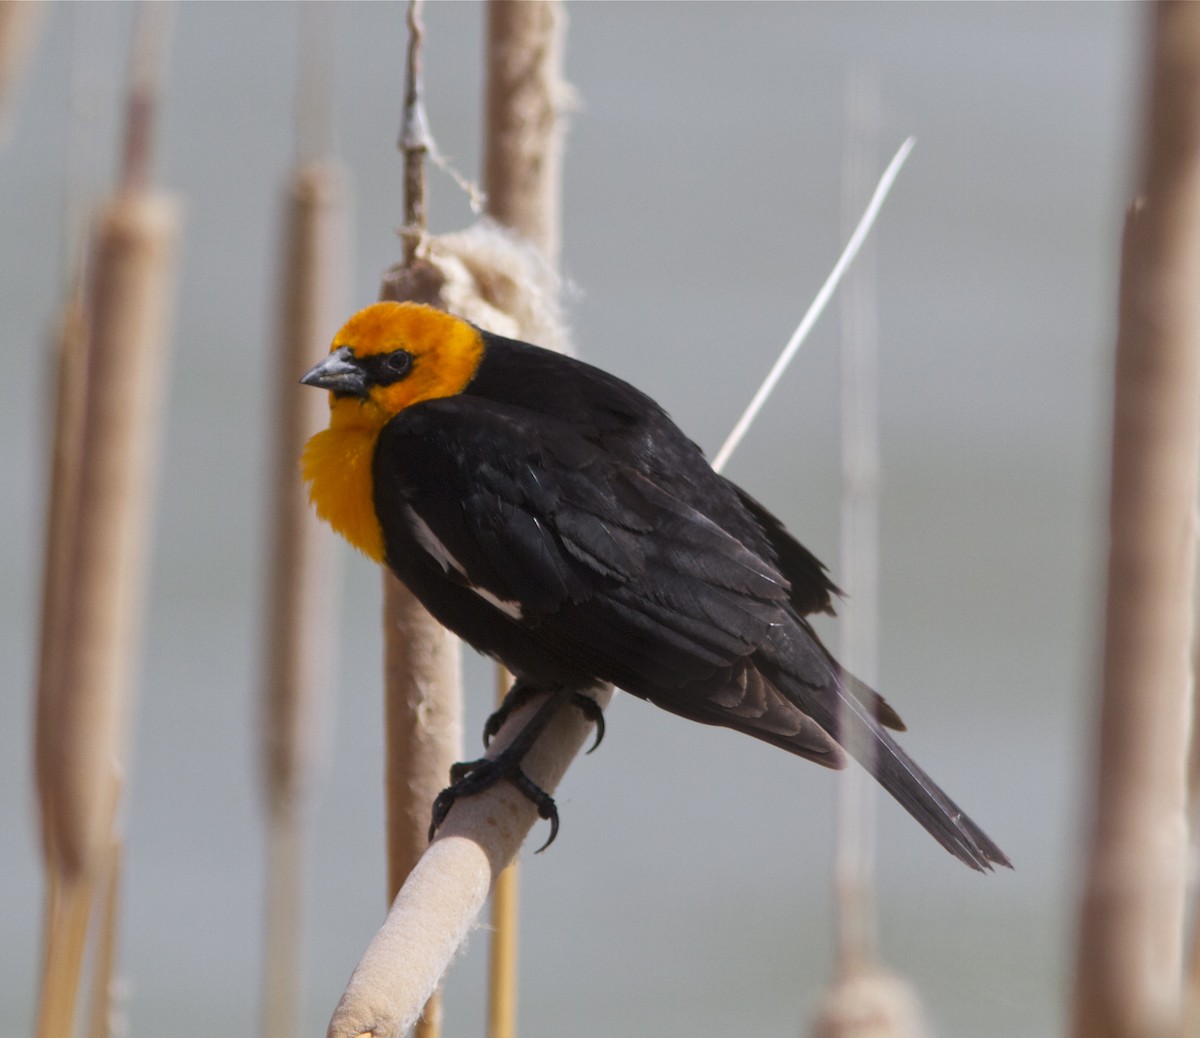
688	892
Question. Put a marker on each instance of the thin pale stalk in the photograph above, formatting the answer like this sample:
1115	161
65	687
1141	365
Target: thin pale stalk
422	661
859	542
502	954
816	307
1129	964
299	613
414	141
69	902
863	1001
522	173
101	1017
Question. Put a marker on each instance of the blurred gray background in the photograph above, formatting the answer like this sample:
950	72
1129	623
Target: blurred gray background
689	890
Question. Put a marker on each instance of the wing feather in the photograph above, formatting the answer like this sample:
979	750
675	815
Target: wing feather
599	557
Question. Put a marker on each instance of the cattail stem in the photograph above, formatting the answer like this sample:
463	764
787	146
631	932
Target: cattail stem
502	953
414	139
67	902
131	282
100	1017
422	679
1130	940
68	909
70	380
859	541
299	617
523	185
863	1001
522	174
446	890
82	739
106	432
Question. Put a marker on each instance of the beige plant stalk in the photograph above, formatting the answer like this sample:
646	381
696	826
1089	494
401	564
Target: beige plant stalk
299	615
101	500
1130	938
522	182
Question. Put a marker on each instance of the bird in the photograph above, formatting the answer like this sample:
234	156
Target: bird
556	519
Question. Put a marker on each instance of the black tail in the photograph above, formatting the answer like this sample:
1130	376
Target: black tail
922	798
900	775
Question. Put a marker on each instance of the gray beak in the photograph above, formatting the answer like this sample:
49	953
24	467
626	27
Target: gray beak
340	373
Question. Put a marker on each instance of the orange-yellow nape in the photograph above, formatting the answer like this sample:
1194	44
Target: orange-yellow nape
336	463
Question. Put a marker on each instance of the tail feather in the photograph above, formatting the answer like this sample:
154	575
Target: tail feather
922	798
897	772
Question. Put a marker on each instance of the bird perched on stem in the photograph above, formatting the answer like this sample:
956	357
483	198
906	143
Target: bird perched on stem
557	520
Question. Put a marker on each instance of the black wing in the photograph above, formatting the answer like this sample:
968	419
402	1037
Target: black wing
529	512
583	562
547	548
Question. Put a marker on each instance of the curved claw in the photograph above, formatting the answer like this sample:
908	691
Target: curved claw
520	694
471	777
542	800
468	778
517	697
591	712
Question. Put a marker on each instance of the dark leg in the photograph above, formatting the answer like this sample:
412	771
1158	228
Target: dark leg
521	693
475	776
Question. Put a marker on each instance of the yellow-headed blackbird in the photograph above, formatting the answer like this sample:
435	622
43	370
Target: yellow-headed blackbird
556	519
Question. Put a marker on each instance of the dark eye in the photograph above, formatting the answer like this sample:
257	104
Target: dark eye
394	366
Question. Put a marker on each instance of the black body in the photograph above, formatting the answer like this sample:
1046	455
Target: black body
556	519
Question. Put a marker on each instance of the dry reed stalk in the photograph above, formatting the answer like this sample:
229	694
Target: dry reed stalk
422	660
298	614
502	950
526	95
70	380
129	305
863	1001
82	744
853	880
102	1021
522	174
67	901
815	308
20	25
442	897
101	490
68	909
1130	939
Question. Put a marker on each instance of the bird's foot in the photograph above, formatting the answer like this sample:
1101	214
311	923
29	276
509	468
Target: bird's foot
472	777
521	693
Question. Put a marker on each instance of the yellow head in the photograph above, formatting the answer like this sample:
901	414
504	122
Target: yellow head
386	358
